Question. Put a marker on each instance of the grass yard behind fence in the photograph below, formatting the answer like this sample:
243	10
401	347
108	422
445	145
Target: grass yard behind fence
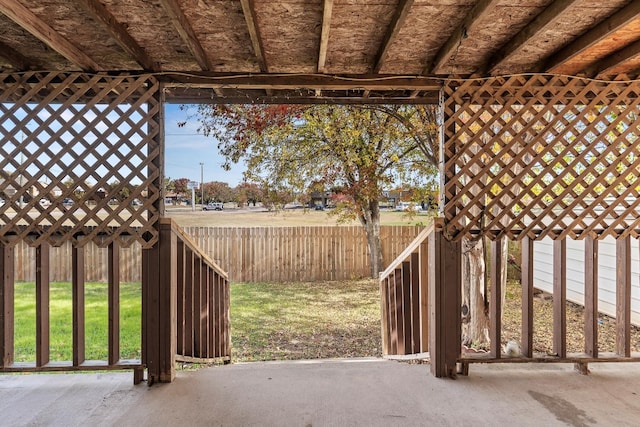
96	318
284	321
269	321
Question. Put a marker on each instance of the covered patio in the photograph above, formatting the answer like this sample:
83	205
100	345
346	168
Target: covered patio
540	133
351	392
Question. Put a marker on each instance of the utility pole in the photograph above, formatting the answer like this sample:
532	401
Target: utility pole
201	183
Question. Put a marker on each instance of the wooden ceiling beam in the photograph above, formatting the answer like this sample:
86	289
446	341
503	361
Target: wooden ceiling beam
180	96
399	16
188	35
249	11
628	53
372	83
601	31
39	29
544	20
324	35
16	59
478	12
120	34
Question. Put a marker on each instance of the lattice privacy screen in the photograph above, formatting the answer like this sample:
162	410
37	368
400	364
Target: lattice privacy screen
79	158
541	156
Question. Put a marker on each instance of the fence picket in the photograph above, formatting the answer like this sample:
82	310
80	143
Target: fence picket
249	254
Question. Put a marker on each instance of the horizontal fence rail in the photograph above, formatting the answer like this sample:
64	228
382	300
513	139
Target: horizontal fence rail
41	261
249	254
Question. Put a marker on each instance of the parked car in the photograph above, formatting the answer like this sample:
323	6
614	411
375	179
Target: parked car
215	206
45	203
406	206
67	202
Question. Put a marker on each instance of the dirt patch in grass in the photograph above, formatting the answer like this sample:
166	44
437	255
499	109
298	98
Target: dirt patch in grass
285	321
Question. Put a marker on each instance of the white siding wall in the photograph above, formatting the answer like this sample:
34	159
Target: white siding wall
543	273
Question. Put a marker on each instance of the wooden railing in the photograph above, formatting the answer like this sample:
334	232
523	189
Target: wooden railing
43	358
187	312
404	300
420	300
559	351
421	306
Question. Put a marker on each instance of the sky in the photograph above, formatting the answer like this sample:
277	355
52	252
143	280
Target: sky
186	149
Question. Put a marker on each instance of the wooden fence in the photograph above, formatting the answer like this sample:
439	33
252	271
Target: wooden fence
249	254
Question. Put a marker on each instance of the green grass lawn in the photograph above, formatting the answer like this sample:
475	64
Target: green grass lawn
281	321
96	321
269	321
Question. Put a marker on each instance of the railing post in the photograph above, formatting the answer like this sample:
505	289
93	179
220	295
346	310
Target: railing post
77	295
495	329
560	297
445	295
159	306
527	297
591	296
6	304
113	278
623	296
42	304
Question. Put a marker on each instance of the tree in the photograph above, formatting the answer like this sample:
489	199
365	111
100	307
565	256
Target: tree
217	191
181	186
249	192
361	149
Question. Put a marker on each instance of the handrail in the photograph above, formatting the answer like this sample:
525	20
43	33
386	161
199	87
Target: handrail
188	240
413	246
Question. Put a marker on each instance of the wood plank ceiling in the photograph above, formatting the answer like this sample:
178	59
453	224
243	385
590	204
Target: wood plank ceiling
320	50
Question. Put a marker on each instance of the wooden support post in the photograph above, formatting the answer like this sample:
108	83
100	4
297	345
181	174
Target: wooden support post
159	315
591	297
226	318
623	297
113	278
384	321
399	312
7	284
406	307
212	313
188	306
415	303
445	296
204	310
424	297
560	298
180	296
197	303
495	326
211	328
527	297
42	304
77	295
393	325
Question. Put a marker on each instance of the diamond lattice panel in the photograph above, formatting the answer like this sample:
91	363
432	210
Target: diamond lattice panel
541	156
79	158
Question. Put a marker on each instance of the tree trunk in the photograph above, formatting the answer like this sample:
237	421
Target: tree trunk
475	319
370	220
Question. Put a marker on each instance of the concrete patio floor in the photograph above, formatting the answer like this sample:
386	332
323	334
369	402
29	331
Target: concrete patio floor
350	392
